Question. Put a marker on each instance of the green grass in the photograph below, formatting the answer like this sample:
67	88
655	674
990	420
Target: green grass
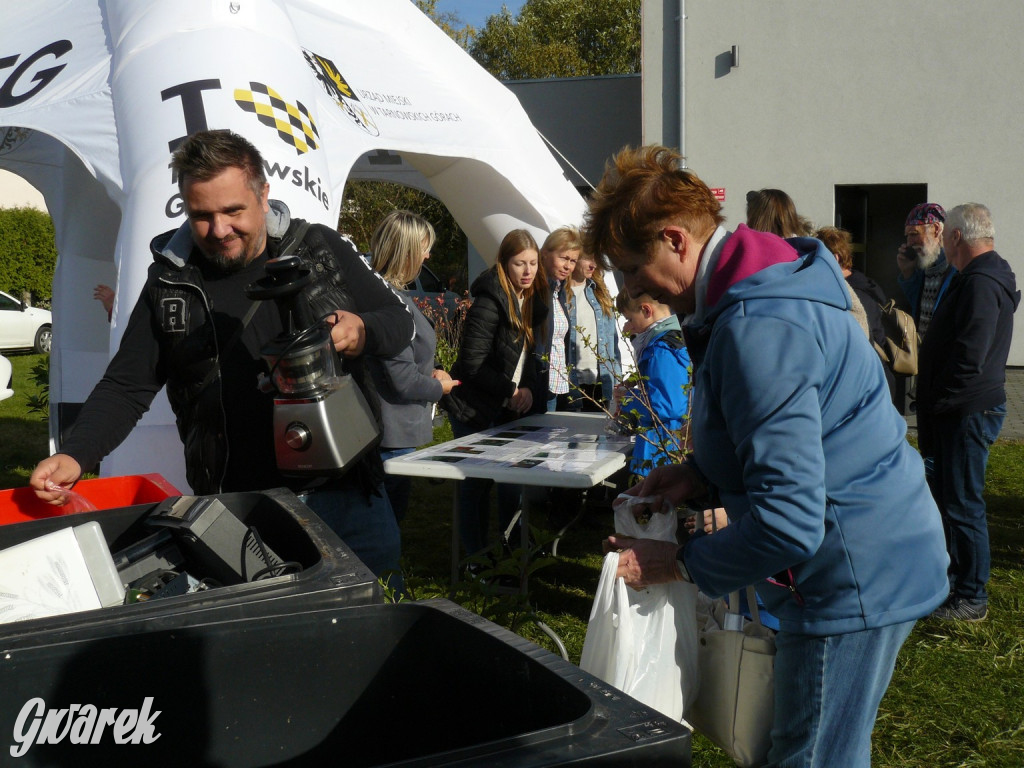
957	695
23	435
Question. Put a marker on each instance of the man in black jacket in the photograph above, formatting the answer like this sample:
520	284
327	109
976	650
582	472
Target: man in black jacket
961	398
194	330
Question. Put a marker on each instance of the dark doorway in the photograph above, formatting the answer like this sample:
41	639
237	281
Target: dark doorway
874	215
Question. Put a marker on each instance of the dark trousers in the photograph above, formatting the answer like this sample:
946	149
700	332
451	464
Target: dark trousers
475	503
960	447
591	400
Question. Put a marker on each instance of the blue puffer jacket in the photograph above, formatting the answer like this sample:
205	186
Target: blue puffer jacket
664	365
794	427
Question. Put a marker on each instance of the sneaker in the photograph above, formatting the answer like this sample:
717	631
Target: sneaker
961	609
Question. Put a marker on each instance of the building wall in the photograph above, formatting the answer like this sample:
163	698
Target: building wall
865	93
587	119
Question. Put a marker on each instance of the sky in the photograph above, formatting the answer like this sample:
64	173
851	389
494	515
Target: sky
475	12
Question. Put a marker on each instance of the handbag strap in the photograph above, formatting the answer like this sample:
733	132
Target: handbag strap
734	609
734	597
292	240
755	612
214	372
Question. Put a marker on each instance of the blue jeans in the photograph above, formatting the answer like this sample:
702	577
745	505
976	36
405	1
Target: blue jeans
398	487
958	482
475	503
366	524
827	691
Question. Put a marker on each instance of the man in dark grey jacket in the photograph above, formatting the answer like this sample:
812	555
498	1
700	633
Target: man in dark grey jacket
187	332
961	398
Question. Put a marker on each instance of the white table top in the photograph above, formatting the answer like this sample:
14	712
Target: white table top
564	450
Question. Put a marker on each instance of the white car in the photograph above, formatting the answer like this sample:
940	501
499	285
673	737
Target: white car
23	327
6	379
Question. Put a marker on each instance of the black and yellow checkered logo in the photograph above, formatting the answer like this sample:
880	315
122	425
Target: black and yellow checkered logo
292	122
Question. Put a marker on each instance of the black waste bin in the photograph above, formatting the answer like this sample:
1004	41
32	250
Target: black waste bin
330	573
413	684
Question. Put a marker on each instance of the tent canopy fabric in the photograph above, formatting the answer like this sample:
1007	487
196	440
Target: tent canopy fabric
95	94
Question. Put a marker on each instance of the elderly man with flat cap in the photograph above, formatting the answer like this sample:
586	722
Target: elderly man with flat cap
924	272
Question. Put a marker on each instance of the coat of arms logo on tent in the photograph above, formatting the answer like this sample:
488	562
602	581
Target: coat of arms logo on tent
338	89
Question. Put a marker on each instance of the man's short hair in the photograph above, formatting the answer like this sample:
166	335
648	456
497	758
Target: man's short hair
644	190
207	154
925	213
974	221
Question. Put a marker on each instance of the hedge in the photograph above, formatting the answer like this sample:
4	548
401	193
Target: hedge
28	254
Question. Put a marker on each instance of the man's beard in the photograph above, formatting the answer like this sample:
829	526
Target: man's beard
227	265
928	254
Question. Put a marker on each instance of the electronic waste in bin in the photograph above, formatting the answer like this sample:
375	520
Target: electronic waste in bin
239	553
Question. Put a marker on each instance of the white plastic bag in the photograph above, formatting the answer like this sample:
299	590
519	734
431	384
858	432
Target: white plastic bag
644	643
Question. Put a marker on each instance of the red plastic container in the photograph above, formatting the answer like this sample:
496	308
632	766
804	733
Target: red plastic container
18	505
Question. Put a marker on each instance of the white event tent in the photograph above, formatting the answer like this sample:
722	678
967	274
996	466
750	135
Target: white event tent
94	95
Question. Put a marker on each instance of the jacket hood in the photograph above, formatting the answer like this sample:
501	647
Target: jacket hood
488	282
653	332
861	282
759	265
176	245
993	266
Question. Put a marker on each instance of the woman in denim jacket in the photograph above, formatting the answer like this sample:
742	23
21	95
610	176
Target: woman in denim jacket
592	353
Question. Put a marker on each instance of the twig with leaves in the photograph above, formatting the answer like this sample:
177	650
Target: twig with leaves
670	445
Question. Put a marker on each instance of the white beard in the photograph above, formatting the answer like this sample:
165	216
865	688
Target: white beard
928	254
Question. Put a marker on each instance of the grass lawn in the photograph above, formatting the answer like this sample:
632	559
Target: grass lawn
23	435
957	696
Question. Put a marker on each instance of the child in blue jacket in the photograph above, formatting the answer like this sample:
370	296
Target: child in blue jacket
659	403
